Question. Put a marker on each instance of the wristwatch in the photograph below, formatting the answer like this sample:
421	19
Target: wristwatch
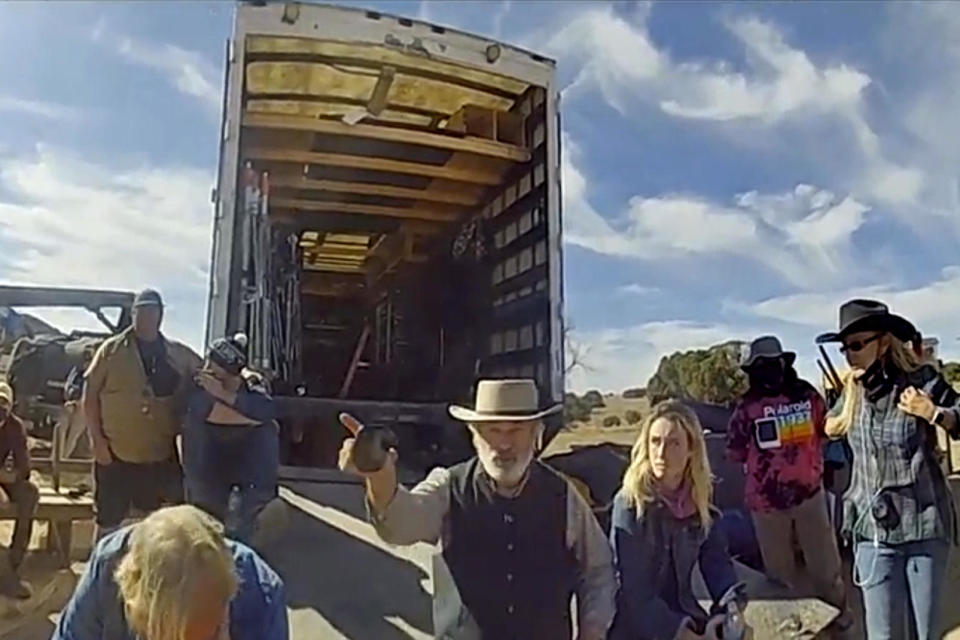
938	416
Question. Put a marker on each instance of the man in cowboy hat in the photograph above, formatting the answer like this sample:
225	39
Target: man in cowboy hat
777	431
516	539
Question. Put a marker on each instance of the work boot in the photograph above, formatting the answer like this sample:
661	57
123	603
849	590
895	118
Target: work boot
10	583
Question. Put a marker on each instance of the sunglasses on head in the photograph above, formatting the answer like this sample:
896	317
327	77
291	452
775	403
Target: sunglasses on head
859	345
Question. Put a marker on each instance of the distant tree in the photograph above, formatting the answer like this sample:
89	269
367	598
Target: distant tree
635	394
594	399
951	371
612	421
576	352
706	375
633	417
575	409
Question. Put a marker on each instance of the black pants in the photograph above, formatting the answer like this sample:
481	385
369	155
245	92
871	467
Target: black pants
145	486
25	496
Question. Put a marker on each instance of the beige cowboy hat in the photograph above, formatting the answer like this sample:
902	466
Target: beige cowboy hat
505	401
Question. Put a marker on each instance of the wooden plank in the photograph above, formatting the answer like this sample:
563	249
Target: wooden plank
362	188
326	250
333	269
474	146
331	290
413	213
377	54
268	79
476	175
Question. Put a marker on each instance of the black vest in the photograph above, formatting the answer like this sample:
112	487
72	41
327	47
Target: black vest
509	556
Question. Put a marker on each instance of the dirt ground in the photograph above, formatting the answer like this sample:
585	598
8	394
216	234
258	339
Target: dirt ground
352	587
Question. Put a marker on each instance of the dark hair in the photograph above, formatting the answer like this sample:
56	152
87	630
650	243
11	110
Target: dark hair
795	388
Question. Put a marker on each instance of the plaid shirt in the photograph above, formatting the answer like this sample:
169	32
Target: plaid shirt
897	454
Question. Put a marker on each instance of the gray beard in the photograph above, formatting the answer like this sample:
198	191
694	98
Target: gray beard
504	476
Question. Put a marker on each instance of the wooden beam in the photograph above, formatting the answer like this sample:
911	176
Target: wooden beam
332	269
389	191
475	146
332	291
487	176
327	250
413	213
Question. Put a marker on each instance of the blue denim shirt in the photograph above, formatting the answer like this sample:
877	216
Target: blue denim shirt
655	555
95	612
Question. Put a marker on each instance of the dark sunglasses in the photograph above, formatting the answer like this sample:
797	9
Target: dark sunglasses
859	345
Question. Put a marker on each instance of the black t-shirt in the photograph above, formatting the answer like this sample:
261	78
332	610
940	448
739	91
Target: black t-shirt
163	378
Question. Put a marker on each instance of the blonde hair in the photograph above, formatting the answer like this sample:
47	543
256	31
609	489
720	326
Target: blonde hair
638	481
172	555
903	357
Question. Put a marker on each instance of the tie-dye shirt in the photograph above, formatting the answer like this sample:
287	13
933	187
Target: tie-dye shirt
780	439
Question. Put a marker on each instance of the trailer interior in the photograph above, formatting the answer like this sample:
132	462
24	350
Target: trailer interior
404	201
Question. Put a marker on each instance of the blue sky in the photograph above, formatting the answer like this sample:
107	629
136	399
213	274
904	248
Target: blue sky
729	169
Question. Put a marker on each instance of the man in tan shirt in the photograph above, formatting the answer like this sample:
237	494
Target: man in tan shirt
133	402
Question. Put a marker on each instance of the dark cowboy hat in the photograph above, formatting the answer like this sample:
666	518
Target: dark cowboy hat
869	315
766	347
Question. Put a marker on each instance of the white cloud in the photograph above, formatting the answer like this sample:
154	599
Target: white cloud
625	357
780	83
628	357
423	11
186	71
39	108
618	56
638	290
784	81
68	222
933	307
500	16
804	235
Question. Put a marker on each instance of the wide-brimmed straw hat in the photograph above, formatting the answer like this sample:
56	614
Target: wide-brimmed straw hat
505	401
766	347
869	315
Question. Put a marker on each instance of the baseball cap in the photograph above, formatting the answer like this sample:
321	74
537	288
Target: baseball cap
148	298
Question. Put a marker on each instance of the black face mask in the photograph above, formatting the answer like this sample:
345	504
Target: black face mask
767	376
877	380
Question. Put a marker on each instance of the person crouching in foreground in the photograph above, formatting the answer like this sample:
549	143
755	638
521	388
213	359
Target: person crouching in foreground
662	527
516	539
173	576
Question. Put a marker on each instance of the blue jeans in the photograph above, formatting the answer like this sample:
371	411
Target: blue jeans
213	496
217	459
889	573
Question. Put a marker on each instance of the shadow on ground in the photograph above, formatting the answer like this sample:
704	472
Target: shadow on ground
353	585
30	619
